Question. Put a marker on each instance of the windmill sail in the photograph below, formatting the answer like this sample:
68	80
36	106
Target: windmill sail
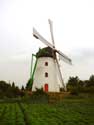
51	30
60	74
38	36
64	57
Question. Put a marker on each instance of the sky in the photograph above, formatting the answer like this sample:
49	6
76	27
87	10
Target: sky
73	27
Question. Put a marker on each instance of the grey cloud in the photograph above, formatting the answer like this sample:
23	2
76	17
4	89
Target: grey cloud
89	53
83	54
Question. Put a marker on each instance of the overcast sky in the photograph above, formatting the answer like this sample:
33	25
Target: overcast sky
73	23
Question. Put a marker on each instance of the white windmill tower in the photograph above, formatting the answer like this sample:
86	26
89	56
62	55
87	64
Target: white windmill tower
48	74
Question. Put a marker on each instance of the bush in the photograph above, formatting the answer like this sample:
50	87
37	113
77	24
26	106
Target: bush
39	96
87	89
74	91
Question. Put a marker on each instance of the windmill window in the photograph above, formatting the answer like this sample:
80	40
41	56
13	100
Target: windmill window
46	63
46	74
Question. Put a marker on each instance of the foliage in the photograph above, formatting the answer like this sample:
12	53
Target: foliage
75	85
39	96
69	112
62	89
91	80
29	84
22	88
9	91
39	91
73	81
74	91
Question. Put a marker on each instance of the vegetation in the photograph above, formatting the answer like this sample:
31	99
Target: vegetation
28	85
76	86
77	108
10	91
69	112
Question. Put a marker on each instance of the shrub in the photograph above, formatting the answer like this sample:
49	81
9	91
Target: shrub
39	96
74	91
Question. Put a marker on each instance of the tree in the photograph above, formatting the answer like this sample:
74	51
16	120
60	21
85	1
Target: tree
22	88
91	80
85	83
4	86
73	85
81	83
10	91
29	84
13	85
73	81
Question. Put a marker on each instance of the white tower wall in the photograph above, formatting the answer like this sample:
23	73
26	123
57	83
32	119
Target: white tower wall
39	78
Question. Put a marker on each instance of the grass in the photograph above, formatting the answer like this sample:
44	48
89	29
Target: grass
71	111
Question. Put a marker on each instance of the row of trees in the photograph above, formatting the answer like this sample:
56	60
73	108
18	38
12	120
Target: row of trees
10	91
75	84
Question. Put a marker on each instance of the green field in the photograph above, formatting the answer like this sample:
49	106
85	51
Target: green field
68	112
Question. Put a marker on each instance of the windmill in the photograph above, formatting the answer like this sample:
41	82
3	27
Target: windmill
48	73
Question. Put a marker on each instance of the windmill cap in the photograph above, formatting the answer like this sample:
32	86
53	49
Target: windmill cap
45	52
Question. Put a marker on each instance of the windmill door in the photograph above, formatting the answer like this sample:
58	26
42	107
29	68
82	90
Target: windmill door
46	87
